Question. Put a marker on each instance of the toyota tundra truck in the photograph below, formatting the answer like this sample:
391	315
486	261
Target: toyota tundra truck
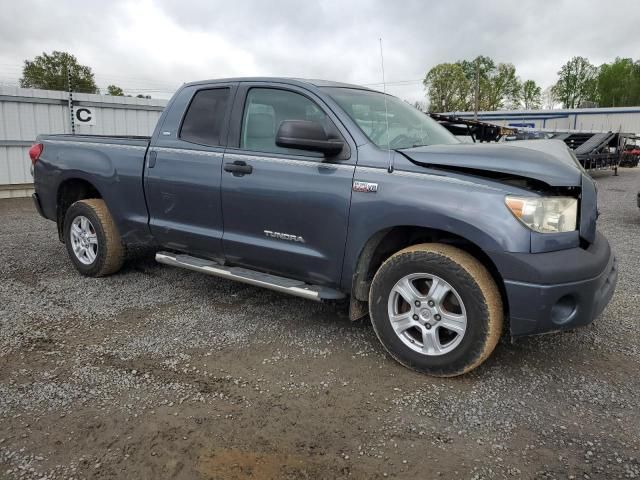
338	193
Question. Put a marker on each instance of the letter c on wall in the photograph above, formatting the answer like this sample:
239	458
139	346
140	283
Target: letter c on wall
85	116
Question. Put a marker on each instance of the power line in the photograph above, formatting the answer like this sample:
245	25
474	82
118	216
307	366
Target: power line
147	82
62	83
396	82
17	71
137	85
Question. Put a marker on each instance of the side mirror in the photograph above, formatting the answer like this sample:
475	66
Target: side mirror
307	135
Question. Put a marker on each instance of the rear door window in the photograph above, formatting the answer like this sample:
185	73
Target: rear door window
205	117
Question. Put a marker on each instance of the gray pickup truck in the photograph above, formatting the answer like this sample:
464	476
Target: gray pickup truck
334	192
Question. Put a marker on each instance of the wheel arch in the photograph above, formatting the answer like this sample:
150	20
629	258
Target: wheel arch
70	191
384	243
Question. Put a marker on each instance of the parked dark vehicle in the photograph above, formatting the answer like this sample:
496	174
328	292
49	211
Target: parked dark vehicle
630	156
334	192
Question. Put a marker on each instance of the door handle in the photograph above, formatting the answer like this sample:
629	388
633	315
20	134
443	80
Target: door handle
151	162
238	168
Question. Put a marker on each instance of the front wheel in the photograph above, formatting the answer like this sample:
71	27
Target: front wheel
436	309
92	239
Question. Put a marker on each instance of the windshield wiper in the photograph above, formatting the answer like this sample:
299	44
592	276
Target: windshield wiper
415	145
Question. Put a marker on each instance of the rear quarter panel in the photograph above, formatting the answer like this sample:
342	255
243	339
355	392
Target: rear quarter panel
114	169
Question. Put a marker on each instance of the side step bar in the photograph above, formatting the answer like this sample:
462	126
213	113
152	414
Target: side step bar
259	279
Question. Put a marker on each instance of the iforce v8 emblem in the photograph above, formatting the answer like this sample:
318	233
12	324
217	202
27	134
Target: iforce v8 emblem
364	187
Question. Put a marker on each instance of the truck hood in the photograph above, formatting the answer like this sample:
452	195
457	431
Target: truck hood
548	161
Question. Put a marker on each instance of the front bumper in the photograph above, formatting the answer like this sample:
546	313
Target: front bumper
536	308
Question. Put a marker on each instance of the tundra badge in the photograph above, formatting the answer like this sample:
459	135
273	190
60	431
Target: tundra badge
364	187
284	236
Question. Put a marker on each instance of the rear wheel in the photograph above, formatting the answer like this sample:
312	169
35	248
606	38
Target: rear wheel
92	239
436	309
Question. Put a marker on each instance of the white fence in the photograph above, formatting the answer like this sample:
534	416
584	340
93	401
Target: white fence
26	113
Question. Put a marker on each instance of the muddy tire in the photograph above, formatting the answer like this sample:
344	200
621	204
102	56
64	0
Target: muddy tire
92	239
436	309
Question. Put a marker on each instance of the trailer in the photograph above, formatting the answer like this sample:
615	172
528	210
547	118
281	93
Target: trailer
595	150
477	131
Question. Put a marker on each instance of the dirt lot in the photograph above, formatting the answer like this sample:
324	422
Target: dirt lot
163	373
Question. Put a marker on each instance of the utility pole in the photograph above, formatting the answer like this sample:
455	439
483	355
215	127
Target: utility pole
477	91
72	118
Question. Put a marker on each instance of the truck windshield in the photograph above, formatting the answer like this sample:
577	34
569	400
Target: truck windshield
408	127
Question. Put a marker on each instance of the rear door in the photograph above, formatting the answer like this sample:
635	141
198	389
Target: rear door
286	211
182	178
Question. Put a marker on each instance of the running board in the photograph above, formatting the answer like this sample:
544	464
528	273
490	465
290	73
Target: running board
259	279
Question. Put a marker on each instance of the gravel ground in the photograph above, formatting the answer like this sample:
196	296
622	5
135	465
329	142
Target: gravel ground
162	373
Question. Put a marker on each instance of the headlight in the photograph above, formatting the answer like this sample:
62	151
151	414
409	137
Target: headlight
545	214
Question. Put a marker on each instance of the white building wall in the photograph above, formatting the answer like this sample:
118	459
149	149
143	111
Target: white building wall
628	122
25	113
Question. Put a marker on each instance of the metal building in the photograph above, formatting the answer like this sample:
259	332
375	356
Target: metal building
622	119
25	113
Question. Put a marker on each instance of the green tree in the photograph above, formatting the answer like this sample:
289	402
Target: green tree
577	83
447	88
480	67
502	88
115	91
530	95
49	72
477	72
619	83
498	84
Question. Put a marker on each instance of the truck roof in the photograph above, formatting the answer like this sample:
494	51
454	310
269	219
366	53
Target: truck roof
286	80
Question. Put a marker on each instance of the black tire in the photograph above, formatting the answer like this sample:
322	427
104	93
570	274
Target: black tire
477	290
110	250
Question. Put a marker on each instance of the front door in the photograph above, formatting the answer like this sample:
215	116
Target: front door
285	211
183	172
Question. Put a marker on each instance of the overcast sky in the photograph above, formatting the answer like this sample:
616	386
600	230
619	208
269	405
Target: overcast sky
152	47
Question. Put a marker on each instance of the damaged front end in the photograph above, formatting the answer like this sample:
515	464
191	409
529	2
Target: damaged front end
565	195
569	273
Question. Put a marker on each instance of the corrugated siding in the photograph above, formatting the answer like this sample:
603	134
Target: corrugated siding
22	120
16	168
624	122
629	122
